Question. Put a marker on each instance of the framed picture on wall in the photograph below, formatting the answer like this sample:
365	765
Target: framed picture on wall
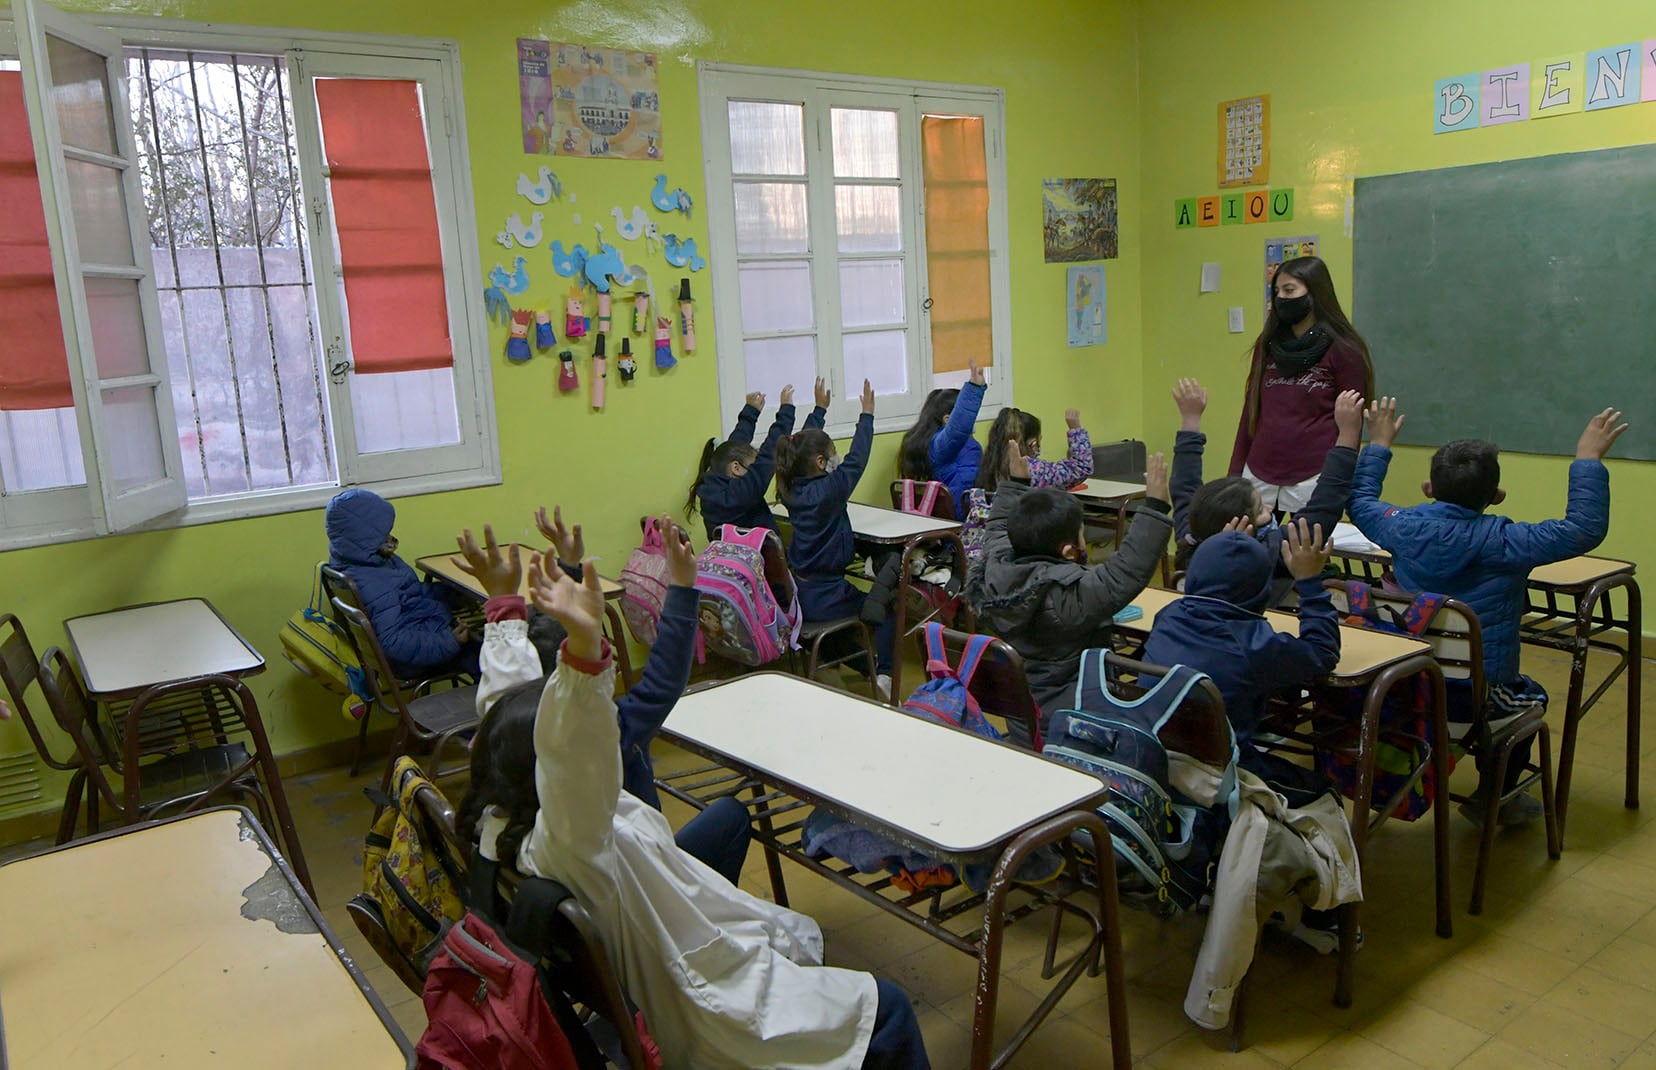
1245	141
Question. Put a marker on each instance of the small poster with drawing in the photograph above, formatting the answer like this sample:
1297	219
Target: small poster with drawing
1245	142
1085	305
582	101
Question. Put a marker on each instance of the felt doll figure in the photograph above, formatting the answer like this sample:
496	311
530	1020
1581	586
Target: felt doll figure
641	312
575	320
517	344
567	380
625	364
543	331
664	342
603	314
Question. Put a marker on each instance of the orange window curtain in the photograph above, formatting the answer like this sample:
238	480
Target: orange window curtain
34	367
390	254
957	240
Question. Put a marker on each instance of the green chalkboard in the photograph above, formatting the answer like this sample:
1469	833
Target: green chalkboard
1511	301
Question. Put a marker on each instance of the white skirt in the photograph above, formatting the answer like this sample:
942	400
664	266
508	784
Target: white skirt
1281	499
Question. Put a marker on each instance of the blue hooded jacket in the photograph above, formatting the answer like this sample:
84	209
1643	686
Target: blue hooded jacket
1482	560
954	454
413	625
1218	628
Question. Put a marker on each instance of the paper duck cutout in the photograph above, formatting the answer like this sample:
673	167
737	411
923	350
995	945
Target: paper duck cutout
504	240
602	264
652	237
631	227
516	282
676	201
682	253
634	274
568	264
542	191
528	235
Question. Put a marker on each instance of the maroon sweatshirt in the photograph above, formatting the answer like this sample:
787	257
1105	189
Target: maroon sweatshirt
1296	417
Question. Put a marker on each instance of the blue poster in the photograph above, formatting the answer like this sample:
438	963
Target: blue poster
1086	305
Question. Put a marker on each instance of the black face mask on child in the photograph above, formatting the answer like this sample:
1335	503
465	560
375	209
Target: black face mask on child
1290	310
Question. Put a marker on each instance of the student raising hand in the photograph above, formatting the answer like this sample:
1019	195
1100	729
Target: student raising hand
568	545
1155	478
787	394
1243	524
681	556
579	607
823	394
1601	433
976	373
757	400
1017	465
1384	422
1348	418
500	574
1191	398
868	398
1304	551
1072	418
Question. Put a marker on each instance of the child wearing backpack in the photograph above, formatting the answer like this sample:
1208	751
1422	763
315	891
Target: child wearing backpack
726	980
732	477
815	483
1024	428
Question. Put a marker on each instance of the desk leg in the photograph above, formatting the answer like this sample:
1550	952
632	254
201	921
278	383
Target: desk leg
773	861
1576	706
1440	798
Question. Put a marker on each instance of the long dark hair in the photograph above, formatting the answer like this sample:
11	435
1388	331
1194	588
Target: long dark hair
1325	305
1011	425
503	771
716	458
914	455
795	457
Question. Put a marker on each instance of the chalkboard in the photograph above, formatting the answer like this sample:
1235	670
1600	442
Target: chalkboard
1511	301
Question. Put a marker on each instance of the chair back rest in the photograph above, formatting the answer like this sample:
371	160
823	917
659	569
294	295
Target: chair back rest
1455	635
20	667
1122	461
347	607
910	496
436	813
999	685
77	717
1197	728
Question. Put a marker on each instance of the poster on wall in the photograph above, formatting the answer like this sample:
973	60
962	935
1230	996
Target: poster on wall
1078	219
1279	251
594	102
1245	142
1085	312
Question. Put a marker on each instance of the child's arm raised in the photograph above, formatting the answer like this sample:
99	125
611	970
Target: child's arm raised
1185	479
507	658
817	419
747	421
1333	490
1075	467
844	479
1371	515
1296	660
947	443
1114	584
1587	511
667	671
750	487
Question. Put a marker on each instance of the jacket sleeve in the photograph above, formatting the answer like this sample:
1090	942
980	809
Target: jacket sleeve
577	765
667	672
1372	516
1069	471
843	480
997	544
750	486
508	658
1185	479
1586	521
947	443
747	421
1292	660
424	639
1328	500
816	419
1115	583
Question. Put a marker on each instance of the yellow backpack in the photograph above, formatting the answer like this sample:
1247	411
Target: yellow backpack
318	647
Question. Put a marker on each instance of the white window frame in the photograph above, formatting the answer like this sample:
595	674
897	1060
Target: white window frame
473	463
718	85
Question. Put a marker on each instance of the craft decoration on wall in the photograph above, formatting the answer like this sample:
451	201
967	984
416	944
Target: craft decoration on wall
542	191
687	316
1085	287
676	201
630	227
567	379
528	234
1078	219
568	264
516	282
517	342
600	372
602	264
682	253
544	338
1592	80
603	315
625	364
575	319
1230	209
634	274
664	343
504	240
1279	251
1245	141
582	101
641	312
496	307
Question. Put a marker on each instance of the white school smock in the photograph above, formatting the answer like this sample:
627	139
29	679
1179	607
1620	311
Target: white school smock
724	979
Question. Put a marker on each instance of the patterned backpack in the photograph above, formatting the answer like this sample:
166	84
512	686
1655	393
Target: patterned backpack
749	606
644	583
945	697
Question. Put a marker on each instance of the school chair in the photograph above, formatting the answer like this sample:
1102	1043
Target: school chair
999	685
20	667
925	498
1122	462
813	633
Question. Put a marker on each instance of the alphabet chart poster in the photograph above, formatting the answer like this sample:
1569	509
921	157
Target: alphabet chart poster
1245	141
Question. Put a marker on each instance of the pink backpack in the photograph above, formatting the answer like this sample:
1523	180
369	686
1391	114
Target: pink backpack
644	583
749	607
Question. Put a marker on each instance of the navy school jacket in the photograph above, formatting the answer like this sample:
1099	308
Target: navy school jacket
740	500
823	542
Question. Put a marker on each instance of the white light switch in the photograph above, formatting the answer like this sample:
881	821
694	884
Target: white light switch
1236	320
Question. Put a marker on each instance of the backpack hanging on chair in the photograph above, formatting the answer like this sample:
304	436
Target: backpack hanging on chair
318	647
946	696
644	583
749	609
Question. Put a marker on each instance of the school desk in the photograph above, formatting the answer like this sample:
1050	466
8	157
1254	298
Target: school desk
884	527
185	944
797	746
1107	500
1377	662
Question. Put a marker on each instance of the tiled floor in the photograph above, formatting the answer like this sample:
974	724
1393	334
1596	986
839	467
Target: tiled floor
1559	971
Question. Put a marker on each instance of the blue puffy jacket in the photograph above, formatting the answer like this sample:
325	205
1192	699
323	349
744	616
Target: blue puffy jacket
1482	560
413	625
954	454
1217	627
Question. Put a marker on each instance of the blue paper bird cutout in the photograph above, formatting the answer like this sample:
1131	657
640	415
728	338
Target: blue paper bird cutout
676	201
602	264
568	264
515	283
681	253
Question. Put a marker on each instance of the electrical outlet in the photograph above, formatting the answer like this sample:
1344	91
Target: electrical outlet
1236	320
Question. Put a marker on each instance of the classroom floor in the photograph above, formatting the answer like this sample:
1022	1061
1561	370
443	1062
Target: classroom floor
1560	970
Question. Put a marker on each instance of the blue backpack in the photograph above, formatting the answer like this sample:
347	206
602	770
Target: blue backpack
945	697
1164	843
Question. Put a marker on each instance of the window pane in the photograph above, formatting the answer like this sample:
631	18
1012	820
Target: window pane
766	139
771	218
869	219
134	436
773	363
39	450
776	296
80	93
881	357
865	144
404	410
871	292
117	327
99	204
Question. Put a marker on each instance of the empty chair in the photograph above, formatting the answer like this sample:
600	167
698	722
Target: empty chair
923	498
20	667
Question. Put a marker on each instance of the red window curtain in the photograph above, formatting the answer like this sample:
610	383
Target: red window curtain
373	134
34	367
956	178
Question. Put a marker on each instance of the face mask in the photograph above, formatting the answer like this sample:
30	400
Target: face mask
1291	310
830	464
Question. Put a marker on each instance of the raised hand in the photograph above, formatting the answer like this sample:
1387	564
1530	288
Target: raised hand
1072	418
1191	398
1243	524
1348	418
1304	551
1384	421
976	373
787	394
1017	465
1155	478
1601	433
579	607
868	398
569	545
681	556
823	394
500	574
757	400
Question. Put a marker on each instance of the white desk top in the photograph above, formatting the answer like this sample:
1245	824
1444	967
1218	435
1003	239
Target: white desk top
128	650
875	524
945	787
1109	490
446	567
134	951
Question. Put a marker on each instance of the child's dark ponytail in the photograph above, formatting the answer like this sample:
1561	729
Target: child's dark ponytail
1012	425
706	462
716	459
794	456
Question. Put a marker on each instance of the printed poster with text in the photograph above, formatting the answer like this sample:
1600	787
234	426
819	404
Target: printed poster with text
595	102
